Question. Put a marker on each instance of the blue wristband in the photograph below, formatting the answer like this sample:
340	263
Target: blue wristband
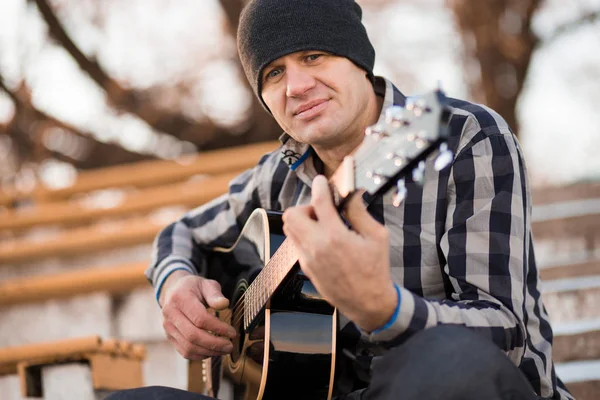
159	287
394	316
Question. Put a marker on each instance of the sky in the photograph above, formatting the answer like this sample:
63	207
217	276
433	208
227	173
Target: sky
184	43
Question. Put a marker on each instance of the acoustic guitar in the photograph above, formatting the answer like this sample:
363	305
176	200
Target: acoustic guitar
286	342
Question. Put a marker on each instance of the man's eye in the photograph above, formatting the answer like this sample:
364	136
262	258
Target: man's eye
313	57
273	73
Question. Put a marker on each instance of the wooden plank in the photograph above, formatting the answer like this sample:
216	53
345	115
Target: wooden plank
578	226
115	280
81	241
189	194
153	173
557	194
127	233
67	349
587	268
59	348
572	305
584	390
579	346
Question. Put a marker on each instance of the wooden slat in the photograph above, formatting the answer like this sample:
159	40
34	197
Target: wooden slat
187	194
60	348
81	241
64	348
588	268
579	226
87	240
556	194
580	346
153	173
114	280
573	305
585	390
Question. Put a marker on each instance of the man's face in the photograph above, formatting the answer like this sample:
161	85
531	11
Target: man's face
317	98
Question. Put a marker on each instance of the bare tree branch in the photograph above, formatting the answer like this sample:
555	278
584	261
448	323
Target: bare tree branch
29	124
131	101
205	134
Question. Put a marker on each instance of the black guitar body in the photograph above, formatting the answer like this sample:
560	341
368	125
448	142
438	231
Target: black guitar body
288	351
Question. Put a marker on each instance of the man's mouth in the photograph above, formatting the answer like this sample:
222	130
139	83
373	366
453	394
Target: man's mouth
311	109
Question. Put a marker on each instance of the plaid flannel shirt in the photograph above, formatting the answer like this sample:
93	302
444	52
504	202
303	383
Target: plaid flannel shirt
461	248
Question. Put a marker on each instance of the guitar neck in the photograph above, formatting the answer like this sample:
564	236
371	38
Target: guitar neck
268	280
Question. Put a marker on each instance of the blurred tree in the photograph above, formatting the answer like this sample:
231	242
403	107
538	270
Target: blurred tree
498	38
29	130
205	134
29	125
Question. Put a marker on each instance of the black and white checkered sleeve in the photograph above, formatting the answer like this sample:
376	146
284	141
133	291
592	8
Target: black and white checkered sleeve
485	247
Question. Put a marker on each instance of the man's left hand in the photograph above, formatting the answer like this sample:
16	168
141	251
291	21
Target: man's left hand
349	268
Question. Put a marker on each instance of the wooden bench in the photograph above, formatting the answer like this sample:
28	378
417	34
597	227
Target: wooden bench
579	346
116	280
142	230
144	174
71	213
112	364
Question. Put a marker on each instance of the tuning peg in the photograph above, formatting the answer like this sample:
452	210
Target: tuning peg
398	158
418	106
444	158
418	174
376	176
377	131
400	193
395	116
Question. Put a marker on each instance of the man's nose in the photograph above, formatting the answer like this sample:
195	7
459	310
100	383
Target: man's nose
299	81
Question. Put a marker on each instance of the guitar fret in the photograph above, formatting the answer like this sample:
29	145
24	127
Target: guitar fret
265	284
245	311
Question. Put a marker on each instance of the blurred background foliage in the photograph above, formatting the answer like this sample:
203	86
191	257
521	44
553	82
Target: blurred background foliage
86	84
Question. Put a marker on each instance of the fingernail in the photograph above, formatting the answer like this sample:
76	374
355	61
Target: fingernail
219	299
320	180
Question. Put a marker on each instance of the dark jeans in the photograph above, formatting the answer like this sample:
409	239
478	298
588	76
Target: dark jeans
445	362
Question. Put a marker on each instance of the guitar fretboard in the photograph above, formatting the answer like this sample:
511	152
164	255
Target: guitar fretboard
265	284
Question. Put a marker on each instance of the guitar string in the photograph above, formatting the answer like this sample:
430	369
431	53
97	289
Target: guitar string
239	307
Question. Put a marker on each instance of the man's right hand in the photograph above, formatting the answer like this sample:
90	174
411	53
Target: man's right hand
194	331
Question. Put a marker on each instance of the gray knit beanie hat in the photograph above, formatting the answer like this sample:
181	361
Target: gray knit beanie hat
270	29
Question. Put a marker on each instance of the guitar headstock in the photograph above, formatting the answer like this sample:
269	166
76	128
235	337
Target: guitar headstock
397	147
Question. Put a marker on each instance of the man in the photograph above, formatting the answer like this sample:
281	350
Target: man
440	293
